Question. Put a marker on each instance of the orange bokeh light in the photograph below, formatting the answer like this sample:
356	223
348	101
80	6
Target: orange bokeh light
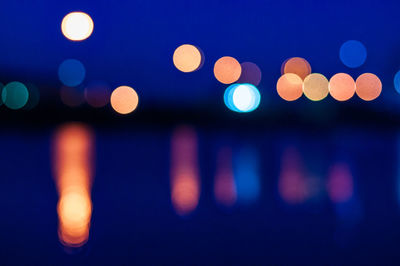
342	87
298	66
124	100
187	58
316	87
73	168
185	180
290	87
368	87
227	70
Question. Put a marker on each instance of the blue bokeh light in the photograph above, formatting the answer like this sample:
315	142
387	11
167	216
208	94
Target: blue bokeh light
397	82
71	72
242	98
353	54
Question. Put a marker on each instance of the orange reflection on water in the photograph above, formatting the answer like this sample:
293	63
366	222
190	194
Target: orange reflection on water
73	146
293	187
185	180
224	183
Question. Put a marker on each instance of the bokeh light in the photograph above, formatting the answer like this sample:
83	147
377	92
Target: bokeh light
185	180
242	98
342	87
397	81
124	100
296	65
72	96
77	26
227	70
73	174
1	90
188	58
353	53
224	183
368	87
251	74
290	87
15	95
316	87
340	183
71	72
97	94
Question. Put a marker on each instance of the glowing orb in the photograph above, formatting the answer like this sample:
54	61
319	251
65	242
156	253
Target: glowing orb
227	70
368	87
77	26
71	72
242	98
124	100
290	87
15	95
187	58
296	65
342	87
353	54
316	87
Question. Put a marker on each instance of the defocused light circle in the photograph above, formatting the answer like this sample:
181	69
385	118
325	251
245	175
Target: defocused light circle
71	72
242	98
77	26
397	82
15	95
290	87
97	94
34	96
298	66
227	70
342	87
124	100
353	54
187	58
368	87
1	90
316	87
251	73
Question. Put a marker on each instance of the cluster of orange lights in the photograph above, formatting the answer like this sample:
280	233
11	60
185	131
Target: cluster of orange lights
73	173
297	79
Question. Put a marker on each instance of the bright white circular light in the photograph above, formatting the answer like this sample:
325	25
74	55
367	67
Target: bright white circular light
77	26
242	98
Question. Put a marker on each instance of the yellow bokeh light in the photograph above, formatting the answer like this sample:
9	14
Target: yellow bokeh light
342	87
187	58
316	87
124	100
368	87
290	87
77	26
227	70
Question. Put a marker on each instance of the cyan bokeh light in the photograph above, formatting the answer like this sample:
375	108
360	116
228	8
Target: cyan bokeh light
353	54
242	98
15	95
71	72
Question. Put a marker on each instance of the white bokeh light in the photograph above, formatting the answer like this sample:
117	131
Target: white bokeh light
77	26
242	98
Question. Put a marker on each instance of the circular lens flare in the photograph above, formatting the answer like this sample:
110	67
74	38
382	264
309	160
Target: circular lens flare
290	87
187	58
71	72
124	100
368	87
298	66
342	87
251	73
77	26
227	70
316	87
242	98
353	54
15	95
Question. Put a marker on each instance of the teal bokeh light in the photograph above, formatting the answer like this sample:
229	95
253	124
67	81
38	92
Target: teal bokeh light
71	72
15	95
